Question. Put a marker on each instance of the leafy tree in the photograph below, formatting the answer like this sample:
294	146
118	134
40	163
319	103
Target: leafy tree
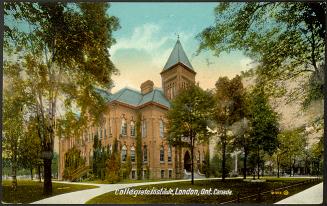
113	164
287	39
31	147
228	109
64	53
139	154
16	100
291	144
265	127
187	119
242	139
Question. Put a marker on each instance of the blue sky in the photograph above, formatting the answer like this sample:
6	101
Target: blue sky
148	33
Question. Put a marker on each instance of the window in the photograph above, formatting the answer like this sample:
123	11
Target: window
104	132
133	174
162	154
170	174
161	128
110	149
145	153
132	154
123	153
100	133
169	154
132	129
199	157
123	130
143	128
109	126
162	174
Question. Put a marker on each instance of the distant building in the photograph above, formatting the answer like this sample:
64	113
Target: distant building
162	160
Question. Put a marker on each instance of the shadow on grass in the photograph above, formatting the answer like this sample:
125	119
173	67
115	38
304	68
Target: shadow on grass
237	186
30	191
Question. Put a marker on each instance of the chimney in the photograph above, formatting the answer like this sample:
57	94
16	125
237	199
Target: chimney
147	87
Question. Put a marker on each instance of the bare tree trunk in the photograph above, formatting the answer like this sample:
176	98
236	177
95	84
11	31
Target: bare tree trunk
31	169
39	172
14	175
192	164
47	188
244	163
223	160
278	166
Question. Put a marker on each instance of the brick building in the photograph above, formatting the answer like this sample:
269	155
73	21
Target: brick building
162	160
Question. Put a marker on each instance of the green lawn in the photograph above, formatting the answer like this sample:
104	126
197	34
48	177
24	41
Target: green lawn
30	191
235	185
125	181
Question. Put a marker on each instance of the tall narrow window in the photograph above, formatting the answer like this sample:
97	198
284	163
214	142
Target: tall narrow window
123	130
162	154
145	153
132	154
123	153
132	129
161	128
143	128
109	128
169	153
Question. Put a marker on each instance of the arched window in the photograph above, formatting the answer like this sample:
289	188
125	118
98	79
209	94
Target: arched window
145	153
123	153
132	129
109	128
162	154
132	154
169	153
143	128
161	128
123	127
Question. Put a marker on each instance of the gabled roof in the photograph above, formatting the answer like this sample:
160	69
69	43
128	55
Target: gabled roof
178	55
135	98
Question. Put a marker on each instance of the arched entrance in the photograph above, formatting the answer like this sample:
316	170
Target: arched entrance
187	161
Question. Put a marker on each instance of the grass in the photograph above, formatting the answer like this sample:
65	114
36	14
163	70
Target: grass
30	191
237	186
125	181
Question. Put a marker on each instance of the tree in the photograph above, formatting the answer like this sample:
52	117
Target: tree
31	147
265	127
188	119
291	145
242	139
286	39
113	164
64	53
228	109
16	100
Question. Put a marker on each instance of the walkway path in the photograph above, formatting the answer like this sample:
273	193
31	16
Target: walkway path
81	197
312	195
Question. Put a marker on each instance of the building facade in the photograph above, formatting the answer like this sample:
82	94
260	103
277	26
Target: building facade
151	104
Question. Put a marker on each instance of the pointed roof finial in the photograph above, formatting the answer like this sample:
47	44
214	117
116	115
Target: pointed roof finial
177	55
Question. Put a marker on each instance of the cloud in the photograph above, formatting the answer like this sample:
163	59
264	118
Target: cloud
246	64
144	38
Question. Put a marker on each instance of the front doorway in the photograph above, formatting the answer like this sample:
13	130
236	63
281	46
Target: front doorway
187	161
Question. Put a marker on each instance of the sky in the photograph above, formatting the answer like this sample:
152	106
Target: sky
148	34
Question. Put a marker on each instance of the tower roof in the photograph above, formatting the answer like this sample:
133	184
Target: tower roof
177	56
